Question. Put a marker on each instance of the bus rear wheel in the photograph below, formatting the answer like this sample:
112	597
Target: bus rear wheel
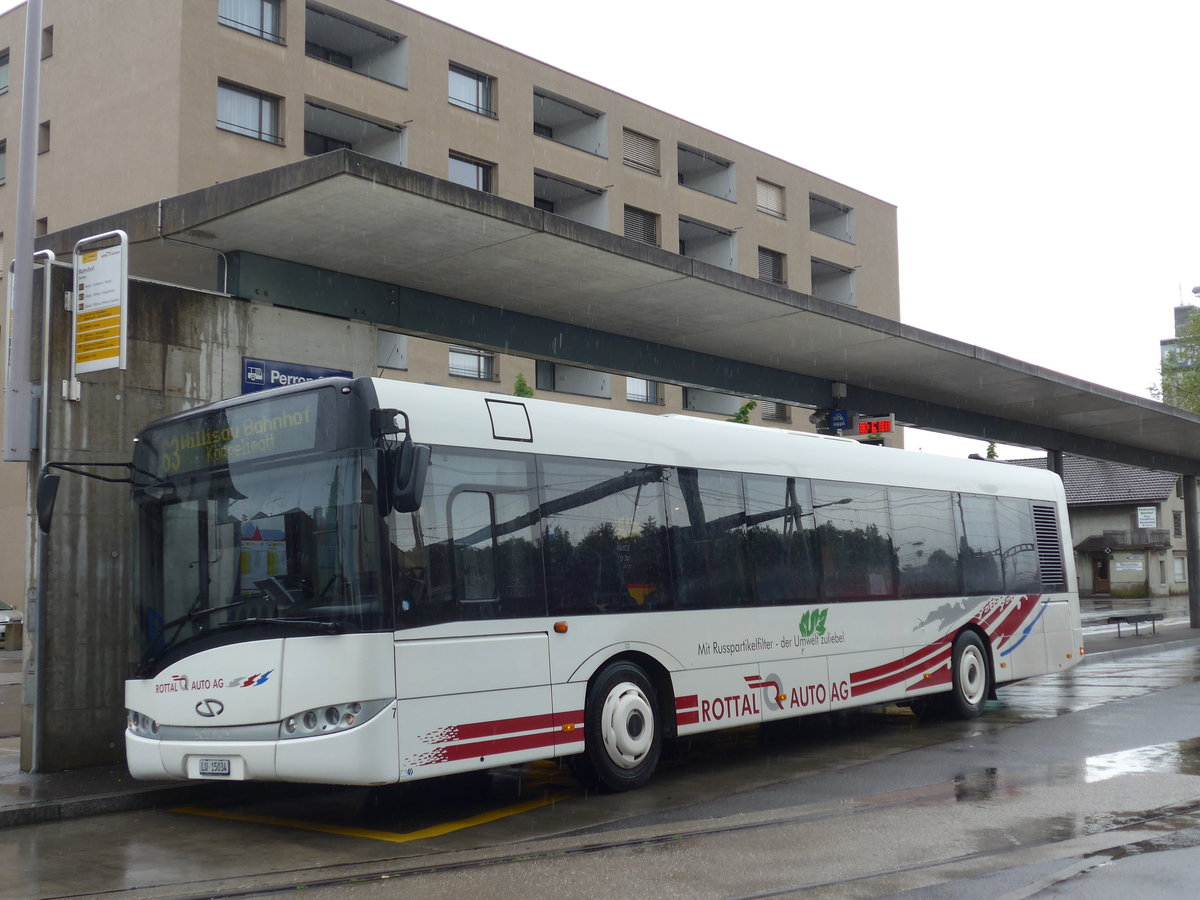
971	677
622	729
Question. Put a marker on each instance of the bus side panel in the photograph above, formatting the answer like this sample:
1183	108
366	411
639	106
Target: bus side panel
718	697
446	724
1064	635
794	687
872	676
1015	626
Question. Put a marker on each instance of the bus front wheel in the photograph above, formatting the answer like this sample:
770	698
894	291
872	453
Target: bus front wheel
971	677
622	731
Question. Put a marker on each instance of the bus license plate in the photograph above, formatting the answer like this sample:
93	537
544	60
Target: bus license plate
210	768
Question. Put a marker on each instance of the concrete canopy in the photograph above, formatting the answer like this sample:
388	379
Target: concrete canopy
359	216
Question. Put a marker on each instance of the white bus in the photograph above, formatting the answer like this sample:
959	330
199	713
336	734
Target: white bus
366	581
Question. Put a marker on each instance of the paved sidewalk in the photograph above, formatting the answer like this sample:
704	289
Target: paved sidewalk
45	797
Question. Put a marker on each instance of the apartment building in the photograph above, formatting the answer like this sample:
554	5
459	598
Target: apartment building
209	90
199	92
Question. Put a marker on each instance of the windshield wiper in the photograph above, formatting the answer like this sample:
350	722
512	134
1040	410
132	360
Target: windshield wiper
312	624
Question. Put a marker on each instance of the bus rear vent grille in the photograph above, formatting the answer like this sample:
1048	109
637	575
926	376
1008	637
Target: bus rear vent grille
1049	547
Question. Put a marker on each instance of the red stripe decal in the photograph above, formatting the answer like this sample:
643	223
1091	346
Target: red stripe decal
502	745
935	679
1015	618
888	668
924	664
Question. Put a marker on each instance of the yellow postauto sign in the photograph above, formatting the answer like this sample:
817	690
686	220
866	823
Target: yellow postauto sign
99	337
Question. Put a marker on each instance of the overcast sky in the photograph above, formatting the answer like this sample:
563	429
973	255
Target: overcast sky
1042	153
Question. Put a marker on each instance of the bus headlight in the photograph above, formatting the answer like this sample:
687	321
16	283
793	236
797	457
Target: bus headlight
330	719
141	725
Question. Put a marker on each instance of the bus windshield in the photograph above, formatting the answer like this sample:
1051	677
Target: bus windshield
246	551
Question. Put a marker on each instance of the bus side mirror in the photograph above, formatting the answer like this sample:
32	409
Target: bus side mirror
46	493
409	463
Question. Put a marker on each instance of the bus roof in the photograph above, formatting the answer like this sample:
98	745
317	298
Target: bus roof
454	417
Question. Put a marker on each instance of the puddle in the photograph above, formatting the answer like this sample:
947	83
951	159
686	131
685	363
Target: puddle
1176	757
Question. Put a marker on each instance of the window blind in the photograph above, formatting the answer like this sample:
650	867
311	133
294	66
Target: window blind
641	151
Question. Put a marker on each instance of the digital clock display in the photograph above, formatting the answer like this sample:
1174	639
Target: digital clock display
874	426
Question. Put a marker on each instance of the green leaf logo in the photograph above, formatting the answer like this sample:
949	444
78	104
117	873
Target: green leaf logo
813	622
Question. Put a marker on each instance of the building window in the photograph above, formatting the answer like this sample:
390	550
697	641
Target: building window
832	282
771	266
707	243
257	17
44	137
391	350
573	380
713	402
472	90
41	227
329	55
702	171
472	173
467	362
1178	523
4	71
355	44
831	218
1180	570
775	412
771	199
315	144
570	199
328	129
47	42
641	390
567	122
3	164
641	225
248	112
640	150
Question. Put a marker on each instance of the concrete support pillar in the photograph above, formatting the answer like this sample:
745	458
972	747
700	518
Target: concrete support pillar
1054	462
1192	530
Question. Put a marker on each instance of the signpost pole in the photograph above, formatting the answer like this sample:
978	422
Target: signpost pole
18	386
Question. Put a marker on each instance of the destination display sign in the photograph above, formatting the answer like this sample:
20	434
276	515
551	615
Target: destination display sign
290	424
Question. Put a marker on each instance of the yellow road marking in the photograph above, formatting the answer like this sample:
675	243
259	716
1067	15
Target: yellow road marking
372	834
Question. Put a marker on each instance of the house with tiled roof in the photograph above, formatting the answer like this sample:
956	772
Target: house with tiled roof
1127	527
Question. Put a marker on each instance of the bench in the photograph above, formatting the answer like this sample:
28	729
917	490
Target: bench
1136	620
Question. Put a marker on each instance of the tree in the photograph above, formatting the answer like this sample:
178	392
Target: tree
522	388
1180	369
742	416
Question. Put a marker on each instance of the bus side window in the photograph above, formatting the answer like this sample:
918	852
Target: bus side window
1018	545
926	546
979	545
855	538
604	536
473	532
707	519
779	519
